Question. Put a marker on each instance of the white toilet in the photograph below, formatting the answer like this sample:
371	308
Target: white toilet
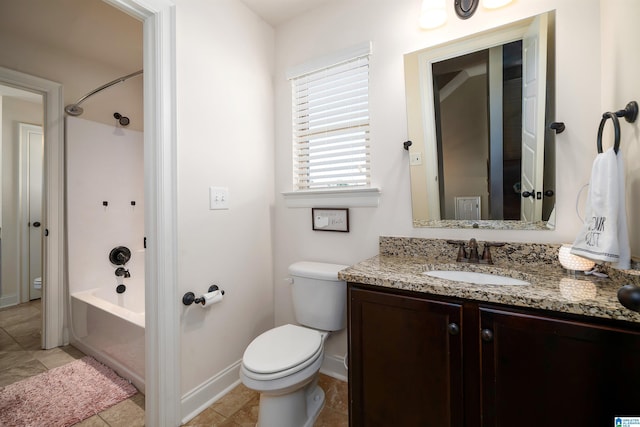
282	363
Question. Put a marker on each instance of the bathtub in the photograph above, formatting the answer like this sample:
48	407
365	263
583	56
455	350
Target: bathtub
110	327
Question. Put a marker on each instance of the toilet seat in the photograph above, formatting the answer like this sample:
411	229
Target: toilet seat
282	351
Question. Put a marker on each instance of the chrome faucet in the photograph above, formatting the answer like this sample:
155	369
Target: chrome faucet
472	256
121	271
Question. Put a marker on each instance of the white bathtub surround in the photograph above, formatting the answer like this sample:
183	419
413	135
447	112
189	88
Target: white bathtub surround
105	209
112	330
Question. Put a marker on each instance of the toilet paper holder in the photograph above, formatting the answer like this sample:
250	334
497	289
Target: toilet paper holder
189	298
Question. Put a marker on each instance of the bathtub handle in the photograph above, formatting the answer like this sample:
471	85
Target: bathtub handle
119	255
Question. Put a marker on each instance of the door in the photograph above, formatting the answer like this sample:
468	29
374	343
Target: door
534	71
405	361
542	371
467	208
32	154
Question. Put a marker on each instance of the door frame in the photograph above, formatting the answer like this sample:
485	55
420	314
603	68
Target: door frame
162	318
53	295
162	303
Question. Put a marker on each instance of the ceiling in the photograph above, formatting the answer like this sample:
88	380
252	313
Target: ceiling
81	28
276	12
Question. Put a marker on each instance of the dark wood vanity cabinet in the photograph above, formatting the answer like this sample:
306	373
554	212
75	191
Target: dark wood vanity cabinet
421	360
547	371
405	358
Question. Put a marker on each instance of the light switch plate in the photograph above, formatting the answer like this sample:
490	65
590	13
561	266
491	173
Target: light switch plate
218	198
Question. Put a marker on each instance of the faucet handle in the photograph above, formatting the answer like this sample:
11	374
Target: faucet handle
462	254
456	242
486	252
473	250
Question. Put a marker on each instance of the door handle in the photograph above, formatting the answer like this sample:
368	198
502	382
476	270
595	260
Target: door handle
36	224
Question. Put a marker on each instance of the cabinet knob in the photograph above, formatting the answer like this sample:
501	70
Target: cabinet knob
486	335
453	328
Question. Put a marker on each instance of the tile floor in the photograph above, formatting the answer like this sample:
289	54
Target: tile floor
21	357
239	407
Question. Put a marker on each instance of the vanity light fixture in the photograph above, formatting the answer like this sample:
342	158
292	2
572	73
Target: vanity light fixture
433	14
465	8
494	4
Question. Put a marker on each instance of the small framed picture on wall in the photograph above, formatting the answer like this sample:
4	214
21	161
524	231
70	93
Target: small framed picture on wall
330	219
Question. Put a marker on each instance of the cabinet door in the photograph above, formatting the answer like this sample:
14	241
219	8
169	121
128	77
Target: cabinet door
540	371
404	361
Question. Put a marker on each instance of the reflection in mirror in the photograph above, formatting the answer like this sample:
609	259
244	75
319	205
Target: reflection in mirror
482	154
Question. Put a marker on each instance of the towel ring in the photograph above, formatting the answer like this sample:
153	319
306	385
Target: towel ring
616	129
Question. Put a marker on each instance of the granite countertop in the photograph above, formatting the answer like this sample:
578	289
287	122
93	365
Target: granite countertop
551	287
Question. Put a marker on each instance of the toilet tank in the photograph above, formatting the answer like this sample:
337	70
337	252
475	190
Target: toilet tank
319	298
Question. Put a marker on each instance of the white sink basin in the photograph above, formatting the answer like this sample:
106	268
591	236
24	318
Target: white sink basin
475	277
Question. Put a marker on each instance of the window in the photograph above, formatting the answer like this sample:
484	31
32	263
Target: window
331	123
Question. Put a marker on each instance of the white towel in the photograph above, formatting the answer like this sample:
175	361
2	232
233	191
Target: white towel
604	235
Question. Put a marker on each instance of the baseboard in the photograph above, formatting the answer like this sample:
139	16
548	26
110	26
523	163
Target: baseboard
203	396
333	366
200	398
8	300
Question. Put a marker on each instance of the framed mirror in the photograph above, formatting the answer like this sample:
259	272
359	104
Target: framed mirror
478	111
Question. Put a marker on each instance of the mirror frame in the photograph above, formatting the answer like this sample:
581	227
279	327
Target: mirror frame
420	98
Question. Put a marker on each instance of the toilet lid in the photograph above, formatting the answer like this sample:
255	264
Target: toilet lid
281	348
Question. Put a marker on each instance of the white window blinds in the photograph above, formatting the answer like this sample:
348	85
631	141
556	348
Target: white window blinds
331	126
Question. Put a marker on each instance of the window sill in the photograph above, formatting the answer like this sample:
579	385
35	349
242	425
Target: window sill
360	197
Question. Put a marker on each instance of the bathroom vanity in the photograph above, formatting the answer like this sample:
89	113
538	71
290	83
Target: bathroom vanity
425	351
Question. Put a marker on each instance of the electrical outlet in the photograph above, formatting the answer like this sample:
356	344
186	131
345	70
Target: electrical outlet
415	158
218	198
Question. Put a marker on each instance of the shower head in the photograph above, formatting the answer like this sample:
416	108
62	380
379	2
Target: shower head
124	121
73	109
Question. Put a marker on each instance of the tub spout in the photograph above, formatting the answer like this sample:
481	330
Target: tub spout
121	271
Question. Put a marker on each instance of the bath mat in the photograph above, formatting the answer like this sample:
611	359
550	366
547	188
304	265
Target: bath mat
63	396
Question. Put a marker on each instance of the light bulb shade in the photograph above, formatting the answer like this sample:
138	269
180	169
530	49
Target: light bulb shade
573	262
494	4
433	14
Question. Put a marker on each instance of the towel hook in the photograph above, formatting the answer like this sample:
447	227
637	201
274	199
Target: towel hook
616	129
557	126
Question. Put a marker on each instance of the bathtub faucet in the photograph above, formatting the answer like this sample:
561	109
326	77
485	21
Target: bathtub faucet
121	271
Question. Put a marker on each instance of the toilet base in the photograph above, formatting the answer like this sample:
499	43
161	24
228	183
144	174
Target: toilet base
300	408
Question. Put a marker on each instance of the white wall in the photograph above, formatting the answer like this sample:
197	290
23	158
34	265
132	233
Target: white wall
104	163
225	138
14	111
463	118
620	65
392	27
